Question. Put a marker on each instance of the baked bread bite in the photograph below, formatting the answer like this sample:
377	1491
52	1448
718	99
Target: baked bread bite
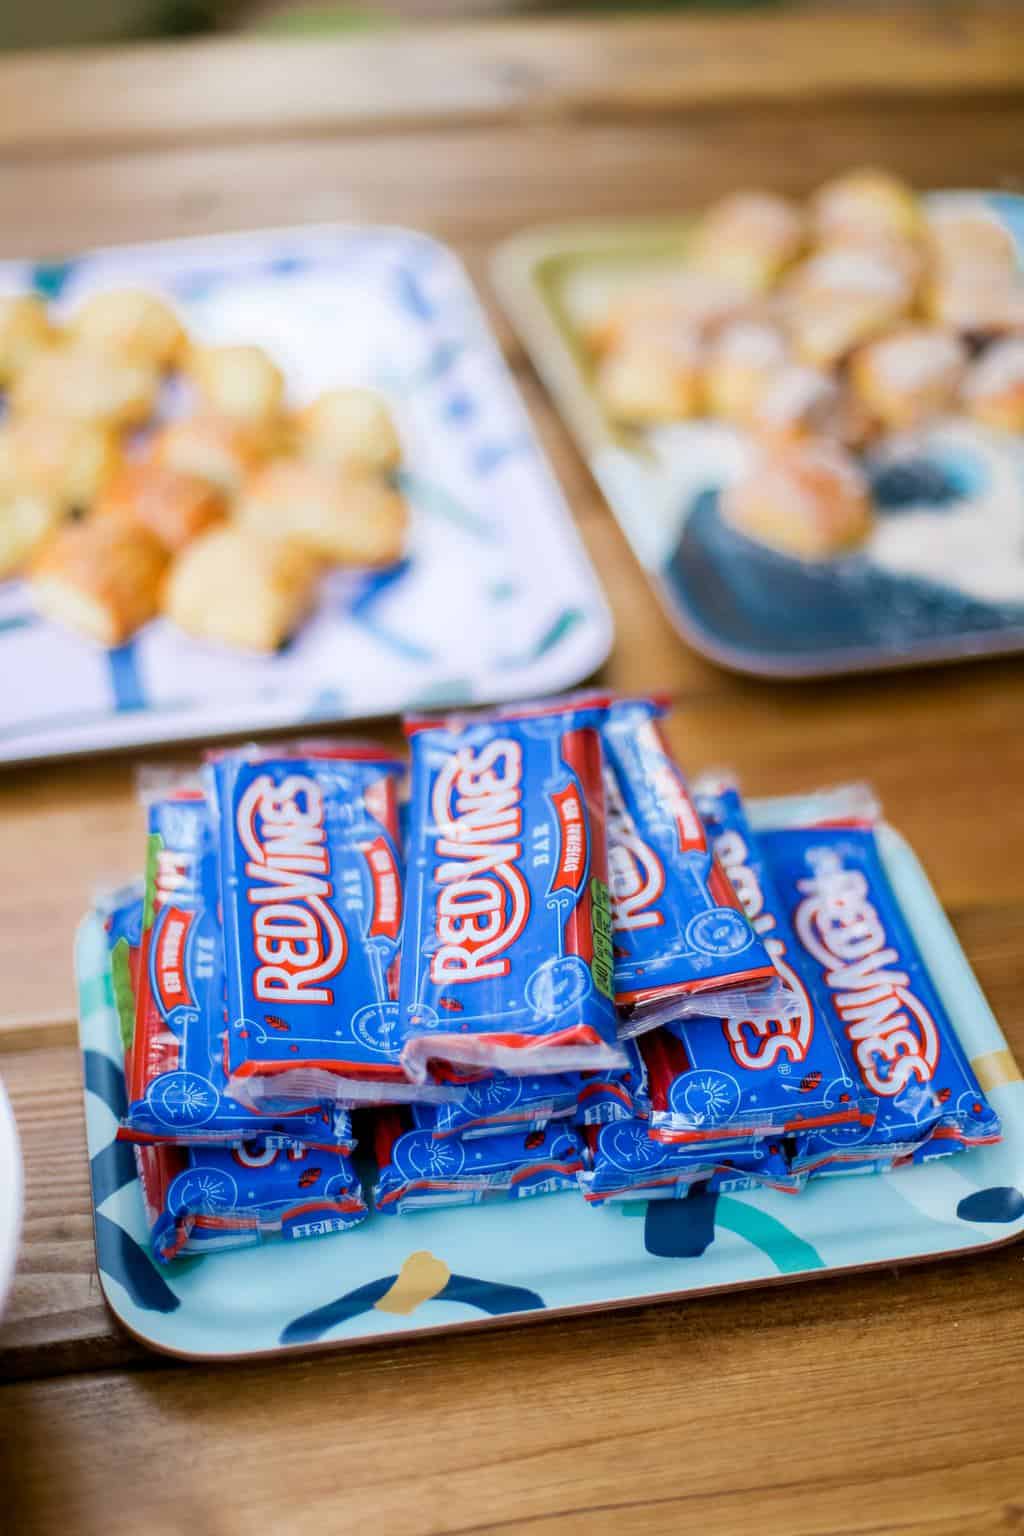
808	499
748	239
83	385
173	508
843	296
240	591
57	457
241	383
694	302
797	402
100	578
131	324
993	390
348	428
221	452
866	205
27	518
906	377
653	375
347	517
741	362
25	329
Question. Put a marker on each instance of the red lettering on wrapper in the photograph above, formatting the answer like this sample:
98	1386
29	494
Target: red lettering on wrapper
572	831
386	921
169	960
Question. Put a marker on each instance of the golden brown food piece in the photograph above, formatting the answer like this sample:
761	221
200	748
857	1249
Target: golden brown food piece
973	284
843	296
866	205
81	385
692	302
26	519
240	383
798	402
808	499
994	388
969	235
173	508
243	592
132	324
100	578
749	239
653	375
25	329
58	458
742	360
346	517
349	428
223	453
905	378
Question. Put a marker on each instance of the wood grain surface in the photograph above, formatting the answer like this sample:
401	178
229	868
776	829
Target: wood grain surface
888	1402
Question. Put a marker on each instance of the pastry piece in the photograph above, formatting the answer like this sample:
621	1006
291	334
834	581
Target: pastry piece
696	302
866	205
349	428
748	239
742	360
56	457
843	296
809	500
239	382
27	518
905	378
131	324
100	578
221	452
85	386
797	402
173	508
244	592
25	329
973	285
346	517
653	375
994	388
969	235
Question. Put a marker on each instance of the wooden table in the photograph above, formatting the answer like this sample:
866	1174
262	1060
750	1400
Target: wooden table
878	1403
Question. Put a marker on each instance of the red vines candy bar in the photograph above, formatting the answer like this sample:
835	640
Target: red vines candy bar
627	1165
507	958
855	947
680	932
312	912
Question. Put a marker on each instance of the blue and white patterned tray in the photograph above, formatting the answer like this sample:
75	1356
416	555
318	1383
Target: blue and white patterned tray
496	599
453	1269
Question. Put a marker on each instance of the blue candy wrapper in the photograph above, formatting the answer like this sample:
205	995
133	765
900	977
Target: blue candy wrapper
627	1164
853	944
622	1095
507	963
418	1171
683	944
494	1103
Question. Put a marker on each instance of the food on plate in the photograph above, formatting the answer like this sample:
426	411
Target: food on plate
797	401
910	375
25	329
688	301
348	517
132	324
973	285
653	375
85	385
742	361
215	449
749	239
174	508
993	390
100	578
843	296
809	499
243	592
27	517
349	427
242	383
866	205
58	457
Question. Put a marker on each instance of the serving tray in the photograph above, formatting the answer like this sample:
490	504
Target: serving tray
448	1269
942	576
496	598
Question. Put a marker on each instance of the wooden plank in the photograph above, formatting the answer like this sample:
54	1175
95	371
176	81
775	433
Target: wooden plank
686	1417
534	70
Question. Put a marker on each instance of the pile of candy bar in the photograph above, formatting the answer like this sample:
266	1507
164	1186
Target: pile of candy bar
554	966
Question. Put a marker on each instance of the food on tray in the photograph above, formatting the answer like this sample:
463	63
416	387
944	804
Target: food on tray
809	500
173	507
242	383
277	875
797	401
743	359
349	428
131	324
973	284
58	457
101	577
241	591
842	296
866	205
348	516
993	390
909	375
749	239
25	329
687	303
296	491
85	386
652	375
